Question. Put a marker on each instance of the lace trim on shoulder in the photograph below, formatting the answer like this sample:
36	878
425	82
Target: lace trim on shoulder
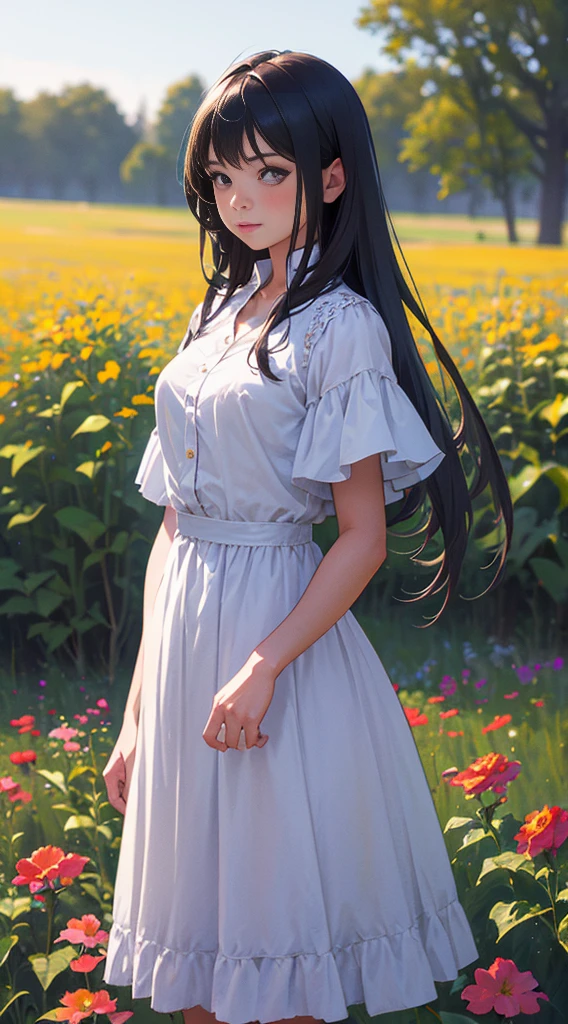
323	315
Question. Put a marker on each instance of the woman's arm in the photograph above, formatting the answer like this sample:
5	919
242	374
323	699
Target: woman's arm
339	578
152	580
343	572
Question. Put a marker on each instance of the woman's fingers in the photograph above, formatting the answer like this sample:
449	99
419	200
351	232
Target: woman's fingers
254	738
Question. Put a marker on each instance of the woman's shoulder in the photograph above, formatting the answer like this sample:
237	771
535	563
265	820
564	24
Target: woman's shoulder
339	312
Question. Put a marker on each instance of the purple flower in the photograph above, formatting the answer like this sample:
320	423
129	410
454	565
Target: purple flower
480	683
525	674
448	686
557	664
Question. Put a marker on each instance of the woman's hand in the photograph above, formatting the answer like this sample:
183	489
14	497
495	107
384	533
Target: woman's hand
117	772
242	704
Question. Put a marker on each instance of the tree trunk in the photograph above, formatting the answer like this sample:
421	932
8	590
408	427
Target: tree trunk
553	194
508	202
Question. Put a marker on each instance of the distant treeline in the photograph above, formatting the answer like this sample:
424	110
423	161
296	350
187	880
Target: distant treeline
479	124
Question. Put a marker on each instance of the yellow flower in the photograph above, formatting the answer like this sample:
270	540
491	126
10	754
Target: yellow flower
110	372
106	447
142	400
126	413
86	351
6	386
58	360
2	418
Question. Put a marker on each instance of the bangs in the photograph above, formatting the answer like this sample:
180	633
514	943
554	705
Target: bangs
227	120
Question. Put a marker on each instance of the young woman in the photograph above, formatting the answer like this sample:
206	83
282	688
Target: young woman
281	855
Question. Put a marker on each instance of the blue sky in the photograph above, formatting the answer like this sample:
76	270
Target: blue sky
136	49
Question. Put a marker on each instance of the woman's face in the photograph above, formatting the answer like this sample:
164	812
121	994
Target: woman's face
261	193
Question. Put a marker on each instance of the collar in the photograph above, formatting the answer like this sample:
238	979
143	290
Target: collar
262	268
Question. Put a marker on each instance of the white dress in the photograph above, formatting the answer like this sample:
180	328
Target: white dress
310	874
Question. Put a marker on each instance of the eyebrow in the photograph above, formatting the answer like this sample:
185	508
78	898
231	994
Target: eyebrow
215	163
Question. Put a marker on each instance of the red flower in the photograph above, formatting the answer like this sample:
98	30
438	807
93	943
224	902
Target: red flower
47	863
498	722
85	963
22	756
490	772
539	703
543	830
415	717
25	723
435	700
82	1003
450	713
503	988
452	733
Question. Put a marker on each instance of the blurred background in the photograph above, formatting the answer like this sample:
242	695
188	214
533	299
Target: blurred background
99	275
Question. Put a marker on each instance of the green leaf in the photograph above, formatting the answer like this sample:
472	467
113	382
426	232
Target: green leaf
512	861
92	425
17	606
24	456
82	522
78	821
57	636
12	999
7	943
459	823
105	831
56	779
21	518
563	932
35	579
508	915
47	601
9	581
520	484
63	556
89	469
559	476
68	390
9	450
82	625
46	968
552	577
80	769
119	544
13	906
562	895
94	558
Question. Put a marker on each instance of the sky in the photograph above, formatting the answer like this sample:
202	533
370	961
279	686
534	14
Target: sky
135	50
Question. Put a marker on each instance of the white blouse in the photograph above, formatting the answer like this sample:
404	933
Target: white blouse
231	444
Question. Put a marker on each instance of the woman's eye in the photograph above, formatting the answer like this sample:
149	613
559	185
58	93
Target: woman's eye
275	170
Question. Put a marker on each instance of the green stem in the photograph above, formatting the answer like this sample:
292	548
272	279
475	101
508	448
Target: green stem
552	903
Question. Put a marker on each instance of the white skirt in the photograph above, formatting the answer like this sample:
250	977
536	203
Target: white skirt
294	879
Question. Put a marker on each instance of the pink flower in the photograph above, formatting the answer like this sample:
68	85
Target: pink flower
503	988
63	732
543	830
512	695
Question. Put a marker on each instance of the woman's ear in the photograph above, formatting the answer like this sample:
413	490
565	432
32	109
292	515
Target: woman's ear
333	178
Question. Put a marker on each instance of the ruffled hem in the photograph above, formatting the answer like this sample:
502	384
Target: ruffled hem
387	973
364	415
151	473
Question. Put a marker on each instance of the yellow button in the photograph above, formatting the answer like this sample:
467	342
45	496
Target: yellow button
189	453
204	369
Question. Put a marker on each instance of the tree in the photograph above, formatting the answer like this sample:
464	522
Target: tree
46	163
146	170
388	99
95	136
176	112
464	150
511	57
13	144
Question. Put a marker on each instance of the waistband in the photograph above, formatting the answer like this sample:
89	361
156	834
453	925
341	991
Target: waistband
232	531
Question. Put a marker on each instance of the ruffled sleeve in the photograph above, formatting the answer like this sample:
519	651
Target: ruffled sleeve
356	407
151	473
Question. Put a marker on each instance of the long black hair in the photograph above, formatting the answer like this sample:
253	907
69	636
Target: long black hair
309	113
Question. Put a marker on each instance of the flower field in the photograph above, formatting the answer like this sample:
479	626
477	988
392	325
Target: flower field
93	302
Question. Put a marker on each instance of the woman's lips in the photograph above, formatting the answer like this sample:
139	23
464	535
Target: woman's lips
248	227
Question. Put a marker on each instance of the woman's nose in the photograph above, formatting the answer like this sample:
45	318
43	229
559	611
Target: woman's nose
239	201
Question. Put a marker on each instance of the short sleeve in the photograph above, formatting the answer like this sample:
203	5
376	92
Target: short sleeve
356	408
151	473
